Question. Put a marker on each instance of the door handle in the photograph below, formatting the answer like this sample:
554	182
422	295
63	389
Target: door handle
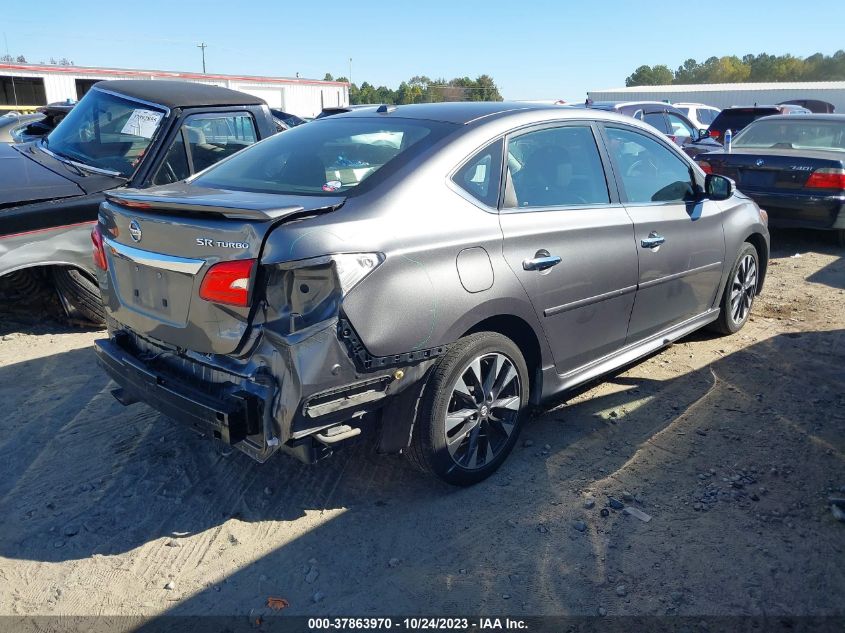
540	263
653	240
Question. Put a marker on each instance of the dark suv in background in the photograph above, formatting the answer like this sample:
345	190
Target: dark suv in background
736	118
666	119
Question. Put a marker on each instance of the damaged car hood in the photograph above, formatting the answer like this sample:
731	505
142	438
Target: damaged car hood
23	179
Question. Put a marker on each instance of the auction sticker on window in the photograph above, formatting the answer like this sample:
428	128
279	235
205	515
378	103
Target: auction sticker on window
142	123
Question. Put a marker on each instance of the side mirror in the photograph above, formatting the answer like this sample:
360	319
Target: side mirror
718	187
703	133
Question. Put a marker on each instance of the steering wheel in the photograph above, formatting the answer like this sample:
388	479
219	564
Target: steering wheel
86	134
170	172
642	167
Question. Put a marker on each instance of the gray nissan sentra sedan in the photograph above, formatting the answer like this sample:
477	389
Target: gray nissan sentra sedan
427	271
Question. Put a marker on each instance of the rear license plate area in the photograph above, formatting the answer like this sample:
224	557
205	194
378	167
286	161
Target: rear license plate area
161	294
755	178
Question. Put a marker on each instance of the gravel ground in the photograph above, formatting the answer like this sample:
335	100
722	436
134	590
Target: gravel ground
731	446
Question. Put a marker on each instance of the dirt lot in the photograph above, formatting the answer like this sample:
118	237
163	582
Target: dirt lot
731	445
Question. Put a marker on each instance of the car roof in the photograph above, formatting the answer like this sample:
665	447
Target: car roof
461	112
818	116
177	94
687	104
620	104
480	112
752	107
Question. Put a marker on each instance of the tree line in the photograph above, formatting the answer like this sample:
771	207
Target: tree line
749	68
422	89
20	59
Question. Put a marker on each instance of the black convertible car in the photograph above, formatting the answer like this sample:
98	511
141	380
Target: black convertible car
121	134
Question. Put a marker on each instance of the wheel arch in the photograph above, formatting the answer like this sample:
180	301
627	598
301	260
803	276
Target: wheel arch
758	241
523	335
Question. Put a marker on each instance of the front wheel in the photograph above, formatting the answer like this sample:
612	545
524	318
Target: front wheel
472	409
740	291
80	291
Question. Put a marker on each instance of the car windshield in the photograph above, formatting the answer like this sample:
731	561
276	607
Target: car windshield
105	131
330	156
792	134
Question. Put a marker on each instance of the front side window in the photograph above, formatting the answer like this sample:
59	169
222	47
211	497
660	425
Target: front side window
481	175
679	126
106	132
555	167
175	166
327	157
202	141
650	172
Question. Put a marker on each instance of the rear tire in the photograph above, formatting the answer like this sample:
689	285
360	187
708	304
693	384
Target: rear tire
472	410
740	291
80	291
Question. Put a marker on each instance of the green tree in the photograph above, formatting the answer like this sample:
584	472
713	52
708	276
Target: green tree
650	76
423	89
761	67
328	77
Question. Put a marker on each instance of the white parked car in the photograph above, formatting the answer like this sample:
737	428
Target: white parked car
699	114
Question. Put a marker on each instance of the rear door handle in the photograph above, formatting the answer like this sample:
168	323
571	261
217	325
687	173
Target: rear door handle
540	263
653	240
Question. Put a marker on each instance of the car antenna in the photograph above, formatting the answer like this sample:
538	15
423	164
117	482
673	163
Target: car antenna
386	109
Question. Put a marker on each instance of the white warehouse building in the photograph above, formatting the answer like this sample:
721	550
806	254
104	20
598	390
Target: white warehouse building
27	85
725	95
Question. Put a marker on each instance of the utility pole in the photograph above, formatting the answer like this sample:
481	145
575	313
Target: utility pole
350	71
203	46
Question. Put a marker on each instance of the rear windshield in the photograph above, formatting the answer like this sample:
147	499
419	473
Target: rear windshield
326	157
739	118
793	134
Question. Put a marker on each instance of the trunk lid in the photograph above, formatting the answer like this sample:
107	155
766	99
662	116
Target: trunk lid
770	170
160	244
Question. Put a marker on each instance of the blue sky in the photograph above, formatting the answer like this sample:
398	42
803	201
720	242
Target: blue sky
534	49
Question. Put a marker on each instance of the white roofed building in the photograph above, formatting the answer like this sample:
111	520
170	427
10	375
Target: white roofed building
725	95
24	86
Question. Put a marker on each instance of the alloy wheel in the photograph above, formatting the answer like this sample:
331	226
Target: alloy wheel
743	289
483	410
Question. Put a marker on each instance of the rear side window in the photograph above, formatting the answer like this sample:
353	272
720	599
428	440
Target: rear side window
555	167
705	116
481	175
650	172
326	157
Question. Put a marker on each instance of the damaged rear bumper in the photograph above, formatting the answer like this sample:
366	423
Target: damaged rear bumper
296	394
234	413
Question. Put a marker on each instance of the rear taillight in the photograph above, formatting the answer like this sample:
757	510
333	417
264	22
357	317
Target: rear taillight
228	282
99	253
826	179
706	167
